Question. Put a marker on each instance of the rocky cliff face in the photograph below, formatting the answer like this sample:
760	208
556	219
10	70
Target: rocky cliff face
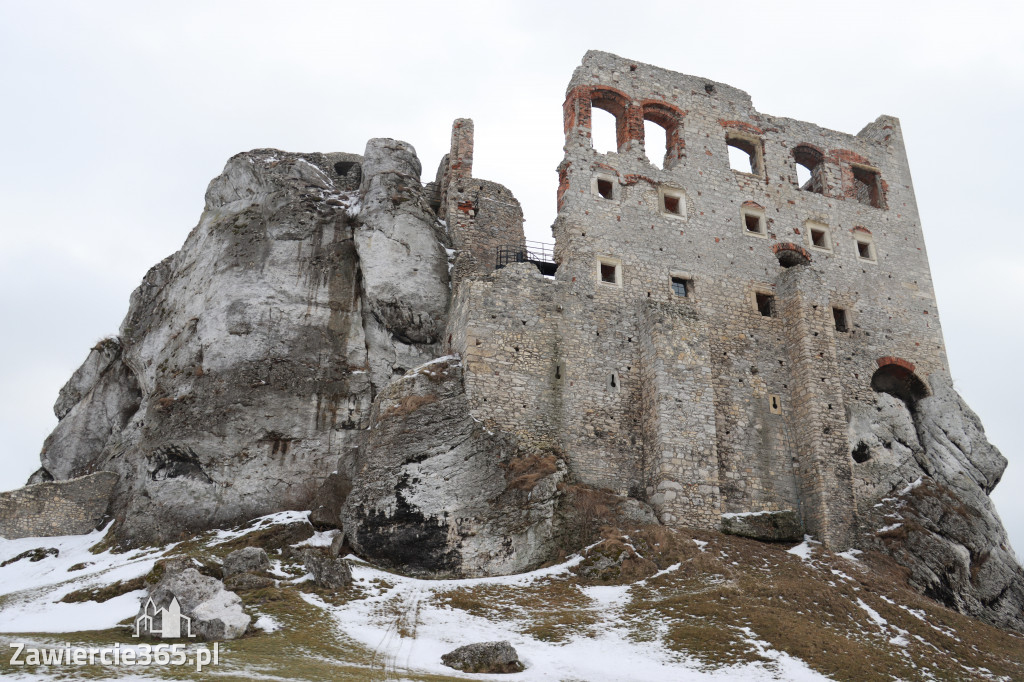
924	475
248	361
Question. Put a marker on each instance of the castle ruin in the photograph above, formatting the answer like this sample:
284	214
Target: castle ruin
699	334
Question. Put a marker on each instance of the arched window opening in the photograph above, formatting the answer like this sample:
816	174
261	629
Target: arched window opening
809	169
602	131
656	143
744	154
899	381
790	257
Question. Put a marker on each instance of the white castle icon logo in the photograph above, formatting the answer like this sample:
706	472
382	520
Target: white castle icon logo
170	619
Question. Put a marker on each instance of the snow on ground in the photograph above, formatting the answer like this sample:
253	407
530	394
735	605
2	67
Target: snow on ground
804	549
30	591
610	654
280	518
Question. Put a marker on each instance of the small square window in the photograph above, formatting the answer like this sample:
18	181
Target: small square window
605	189
841	320
865	249
682	286
818	235
672	202
765	304
753	221
609	270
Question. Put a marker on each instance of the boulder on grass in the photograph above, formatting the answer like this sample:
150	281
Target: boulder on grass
484	657
328	571
246	560
214	613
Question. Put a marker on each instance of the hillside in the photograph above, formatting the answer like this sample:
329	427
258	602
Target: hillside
680	605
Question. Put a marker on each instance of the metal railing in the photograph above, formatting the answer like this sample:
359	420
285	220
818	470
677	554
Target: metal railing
528	252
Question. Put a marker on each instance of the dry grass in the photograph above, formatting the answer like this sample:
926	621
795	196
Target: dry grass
408	404
524	473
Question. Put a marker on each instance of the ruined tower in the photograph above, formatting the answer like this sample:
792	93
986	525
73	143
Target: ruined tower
708	327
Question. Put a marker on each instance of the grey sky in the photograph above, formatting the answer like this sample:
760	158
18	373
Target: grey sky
116	115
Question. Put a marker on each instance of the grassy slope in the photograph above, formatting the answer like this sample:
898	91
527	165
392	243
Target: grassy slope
723	604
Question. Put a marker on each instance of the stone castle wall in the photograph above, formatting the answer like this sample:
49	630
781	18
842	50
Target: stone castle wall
71	507
701	403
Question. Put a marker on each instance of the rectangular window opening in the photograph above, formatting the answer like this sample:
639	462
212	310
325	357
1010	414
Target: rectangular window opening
604	188
840	318
681	286
868	187
765	304
819	238
752	222
744	154
865	250
608	273
671	204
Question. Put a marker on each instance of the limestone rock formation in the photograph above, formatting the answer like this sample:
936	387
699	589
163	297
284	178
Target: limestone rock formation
247	363
434	493
924	475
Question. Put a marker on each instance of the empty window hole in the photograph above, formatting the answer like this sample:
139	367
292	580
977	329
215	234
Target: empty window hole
752	222
819	238
765	304
608	273
842	324
743	156
672	204
655	143
866	183
602	131
604	188
864	250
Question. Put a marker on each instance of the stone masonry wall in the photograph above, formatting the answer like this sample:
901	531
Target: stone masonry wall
71	507
732	396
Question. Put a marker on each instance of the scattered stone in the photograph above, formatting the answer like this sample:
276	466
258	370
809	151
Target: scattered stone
767	526
215	613
246	560
328	571
248	581
484	657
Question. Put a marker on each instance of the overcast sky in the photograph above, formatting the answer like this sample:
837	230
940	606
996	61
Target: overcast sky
116	115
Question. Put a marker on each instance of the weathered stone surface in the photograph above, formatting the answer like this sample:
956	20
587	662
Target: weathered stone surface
245	367
247	581
436	494
403	263
769	526
245	560
922	481
328	570
216	613
70	507
484	657
325	509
